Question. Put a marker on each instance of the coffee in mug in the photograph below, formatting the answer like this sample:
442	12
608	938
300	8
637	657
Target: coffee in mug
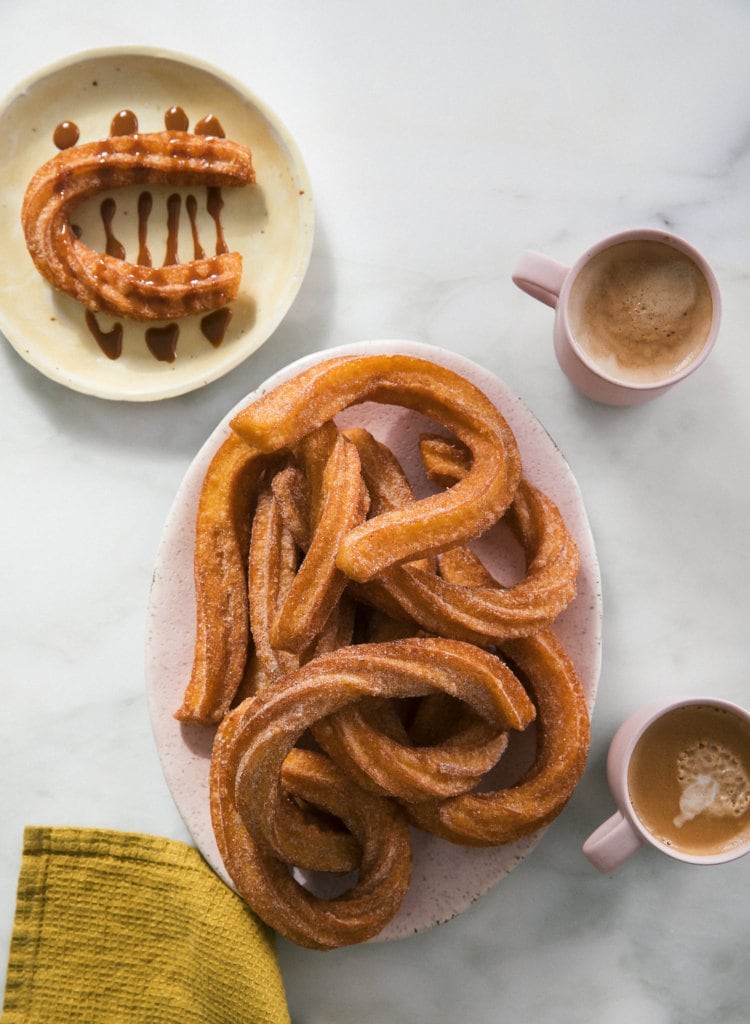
679	771
689	780
641	310
635	314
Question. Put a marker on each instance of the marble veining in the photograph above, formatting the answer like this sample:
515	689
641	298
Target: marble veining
442	138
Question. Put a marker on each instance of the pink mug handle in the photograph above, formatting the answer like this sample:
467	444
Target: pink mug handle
612	844
540	276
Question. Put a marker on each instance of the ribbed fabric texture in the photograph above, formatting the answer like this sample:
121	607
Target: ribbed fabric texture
117	927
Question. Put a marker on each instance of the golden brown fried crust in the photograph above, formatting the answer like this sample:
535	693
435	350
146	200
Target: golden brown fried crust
283	416
222	536
504	815
272	565
104	283
264	880
370	742
252	745
293	499
308	833
484	612
319	584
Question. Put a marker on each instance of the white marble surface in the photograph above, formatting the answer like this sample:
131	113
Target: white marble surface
441	138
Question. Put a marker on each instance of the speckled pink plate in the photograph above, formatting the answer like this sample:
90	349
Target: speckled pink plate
446	878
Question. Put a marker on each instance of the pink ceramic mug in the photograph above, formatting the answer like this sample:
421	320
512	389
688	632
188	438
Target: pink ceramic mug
636	314
679	771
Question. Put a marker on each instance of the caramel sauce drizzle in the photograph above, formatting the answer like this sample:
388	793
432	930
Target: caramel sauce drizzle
113	246
214	205
209	125
145	203
174	205
176	120
214	325
65	135
161	341
110	342
124	123
191	205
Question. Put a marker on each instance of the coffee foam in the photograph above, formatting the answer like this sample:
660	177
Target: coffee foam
641	310
713	782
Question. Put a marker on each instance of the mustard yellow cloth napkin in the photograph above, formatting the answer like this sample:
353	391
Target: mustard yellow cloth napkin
120	927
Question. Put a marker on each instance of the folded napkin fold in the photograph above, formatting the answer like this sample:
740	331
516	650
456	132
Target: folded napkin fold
118	926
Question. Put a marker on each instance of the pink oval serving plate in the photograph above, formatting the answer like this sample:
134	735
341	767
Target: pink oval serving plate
446	878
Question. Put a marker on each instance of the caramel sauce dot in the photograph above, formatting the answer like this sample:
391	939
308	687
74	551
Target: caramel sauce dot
66	134
124	123
176	120
209	125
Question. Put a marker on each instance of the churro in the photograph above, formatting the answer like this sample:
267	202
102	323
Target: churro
106	283
280	418
222	536
504	815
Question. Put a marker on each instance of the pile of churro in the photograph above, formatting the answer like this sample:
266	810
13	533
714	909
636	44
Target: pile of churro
363	668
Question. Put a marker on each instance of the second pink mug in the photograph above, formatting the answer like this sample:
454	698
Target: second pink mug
679	772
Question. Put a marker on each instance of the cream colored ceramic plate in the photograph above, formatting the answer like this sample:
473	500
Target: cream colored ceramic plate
446	878
270	223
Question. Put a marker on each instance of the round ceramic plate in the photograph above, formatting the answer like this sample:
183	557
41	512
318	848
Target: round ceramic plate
446	878
269	223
